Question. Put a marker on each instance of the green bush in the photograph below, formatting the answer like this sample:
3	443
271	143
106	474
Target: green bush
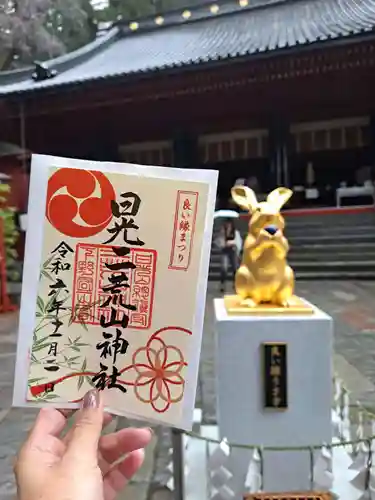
10	233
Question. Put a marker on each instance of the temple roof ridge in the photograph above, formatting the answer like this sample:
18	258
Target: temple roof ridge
63	62
203	11
195	14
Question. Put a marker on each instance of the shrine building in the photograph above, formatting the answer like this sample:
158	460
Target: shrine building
278	92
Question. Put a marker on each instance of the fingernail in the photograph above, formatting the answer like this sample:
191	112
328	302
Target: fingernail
91	399
151	431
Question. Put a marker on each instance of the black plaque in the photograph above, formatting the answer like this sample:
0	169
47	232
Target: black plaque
275	374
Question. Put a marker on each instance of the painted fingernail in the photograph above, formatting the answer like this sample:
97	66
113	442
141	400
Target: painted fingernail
91	399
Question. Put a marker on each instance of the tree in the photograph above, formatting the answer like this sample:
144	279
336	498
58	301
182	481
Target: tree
41	29
132	9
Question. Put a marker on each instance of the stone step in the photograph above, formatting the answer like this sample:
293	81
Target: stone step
344	276
324	246
349	256
305	223
332	238
343	220
322	230
328	232
322	275
333	265
334	247
332	262
321	249
327	235
323	219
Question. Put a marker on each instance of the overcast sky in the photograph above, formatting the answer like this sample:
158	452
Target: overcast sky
99	4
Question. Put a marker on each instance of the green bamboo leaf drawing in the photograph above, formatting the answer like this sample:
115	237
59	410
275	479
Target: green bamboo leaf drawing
40	303
41	327
35	380
80	382
90	382
33	359
39	314
39	347
51	302
48	262
74	310
79	311
69	342
46	275
76	349
82	378
67	297
41	341
84	326
71	319
51	396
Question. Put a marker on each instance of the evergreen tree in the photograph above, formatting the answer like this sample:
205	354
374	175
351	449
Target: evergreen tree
132	9
41	29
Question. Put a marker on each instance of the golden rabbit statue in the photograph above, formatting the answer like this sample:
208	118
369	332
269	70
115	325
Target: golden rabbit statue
264	275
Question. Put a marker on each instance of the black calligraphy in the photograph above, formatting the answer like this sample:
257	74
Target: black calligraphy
112	345
125	212
58	294
103	380
115	304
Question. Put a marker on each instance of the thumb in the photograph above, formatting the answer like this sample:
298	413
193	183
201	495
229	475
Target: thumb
85	434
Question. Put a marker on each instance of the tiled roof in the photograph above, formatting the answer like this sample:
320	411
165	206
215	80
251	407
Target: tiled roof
202	35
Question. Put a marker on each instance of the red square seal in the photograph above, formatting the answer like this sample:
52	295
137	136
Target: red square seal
91	275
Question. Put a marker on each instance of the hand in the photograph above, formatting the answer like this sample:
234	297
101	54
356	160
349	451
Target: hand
81	465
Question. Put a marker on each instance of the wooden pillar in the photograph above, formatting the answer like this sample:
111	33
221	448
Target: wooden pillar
279	152
185	150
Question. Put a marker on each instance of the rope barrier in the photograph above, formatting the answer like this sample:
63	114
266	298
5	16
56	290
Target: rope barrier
281	448
369	439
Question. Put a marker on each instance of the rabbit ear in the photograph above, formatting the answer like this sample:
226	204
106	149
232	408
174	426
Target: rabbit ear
278	197
244	197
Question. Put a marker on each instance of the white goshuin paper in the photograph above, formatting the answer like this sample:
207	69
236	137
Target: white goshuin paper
179	294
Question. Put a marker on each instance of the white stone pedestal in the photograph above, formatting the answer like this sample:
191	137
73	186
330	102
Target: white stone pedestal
241	415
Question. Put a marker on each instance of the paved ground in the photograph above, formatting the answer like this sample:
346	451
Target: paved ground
350	303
